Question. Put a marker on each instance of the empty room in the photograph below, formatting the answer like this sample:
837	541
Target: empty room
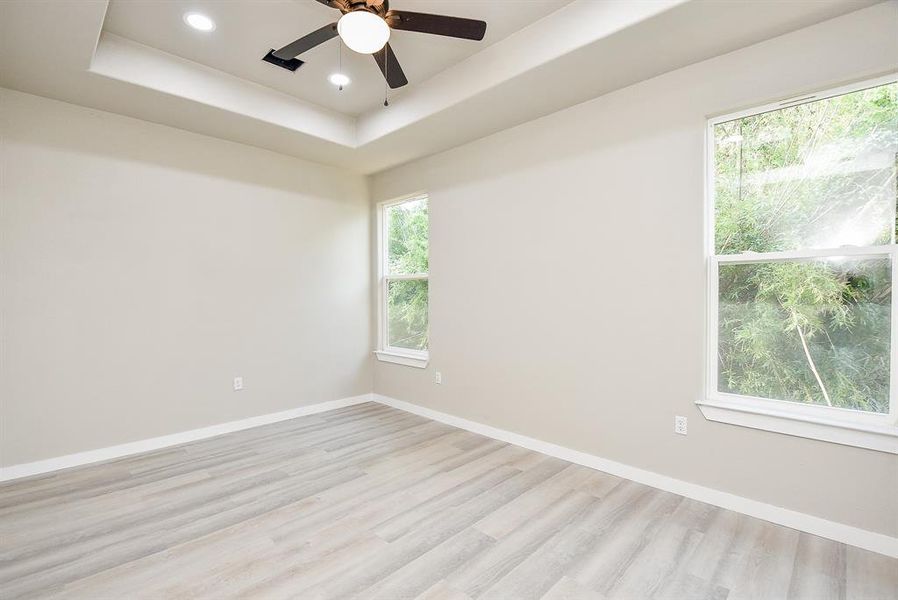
449	299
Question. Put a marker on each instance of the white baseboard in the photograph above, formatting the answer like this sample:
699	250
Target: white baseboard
854	536
111	452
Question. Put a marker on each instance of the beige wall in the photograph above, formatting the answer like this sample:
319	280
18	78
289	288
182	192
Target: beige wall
567	278
144	267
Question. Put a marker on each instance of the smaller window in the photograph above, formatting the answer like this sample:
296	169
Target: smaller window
404	294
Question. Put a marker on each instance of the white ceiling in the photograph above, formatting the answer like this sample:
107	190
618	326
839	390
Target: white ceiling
245	31
147	64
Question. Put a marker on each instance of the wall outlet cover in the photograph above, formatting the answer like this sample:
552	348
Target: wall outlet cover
680	425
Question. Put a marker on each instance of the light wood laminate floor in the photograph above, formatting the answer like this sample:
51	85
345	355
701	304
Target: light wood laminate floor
372	502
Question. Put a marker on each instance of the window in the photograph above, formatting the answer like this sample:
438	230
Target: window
802	297
403	318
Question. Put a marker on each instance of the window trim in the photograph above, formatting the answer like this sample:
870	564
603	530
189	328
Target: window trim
385	352
875	431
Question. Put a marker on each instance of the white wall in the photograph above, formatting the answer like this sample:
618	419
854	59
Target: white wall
144	267
567	278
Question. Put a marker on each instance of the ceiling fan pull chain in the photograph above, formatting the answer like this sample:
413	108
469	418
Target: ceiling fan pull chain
340	60
386	76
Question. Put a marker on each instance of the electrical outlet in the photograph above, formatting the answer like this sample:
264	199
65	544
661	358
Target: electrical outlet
680	425
238	384
438	377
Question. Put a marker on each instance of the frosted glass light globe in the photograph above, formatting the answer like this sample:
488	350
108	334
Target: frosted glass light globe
364	32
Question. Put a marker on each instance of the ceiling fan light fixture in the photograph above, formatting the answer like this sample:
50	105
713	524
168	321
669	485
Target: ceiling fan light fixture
363	32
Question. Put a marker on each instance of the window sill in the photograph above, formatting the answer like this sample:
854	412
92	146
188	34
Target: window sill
873	436
410	360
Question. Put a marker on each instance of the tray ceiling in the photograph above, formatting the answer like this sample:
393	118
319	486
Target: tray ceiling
245	31
138	58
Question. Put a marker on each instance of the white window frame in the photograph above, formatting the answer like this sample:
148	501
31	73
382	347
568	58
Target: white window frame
385	352
838	425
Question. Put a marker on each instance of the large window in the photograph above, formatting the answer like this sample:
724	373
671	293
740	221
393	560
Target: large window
403	241
803	267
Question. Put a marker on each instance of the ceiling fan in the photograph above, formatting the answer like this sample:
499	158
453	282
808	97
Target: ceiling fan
365	28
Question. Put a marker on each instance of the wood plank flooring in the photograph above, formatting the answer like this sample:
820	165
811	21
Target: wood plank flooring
372	502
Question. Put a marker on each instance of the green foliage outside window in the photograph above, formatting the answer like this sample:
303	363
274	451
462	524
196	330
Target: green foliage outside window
407	254
818	175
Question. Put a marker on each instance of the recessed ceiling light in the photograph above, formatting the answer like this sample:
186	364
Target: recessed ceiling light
199	22
363	31
339	79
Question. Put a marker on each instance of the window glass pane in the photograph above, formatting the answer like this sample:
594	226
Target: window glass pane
814	331
407	314
815	175
407	237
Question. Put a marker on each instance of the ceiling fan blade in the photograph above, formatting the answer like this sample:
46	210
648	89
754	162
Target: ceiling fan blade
457	27
389	66
307	42
334	4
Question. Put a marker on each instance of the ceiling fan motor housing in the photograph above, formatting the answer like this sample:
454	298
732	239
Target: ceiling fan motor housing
378	7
